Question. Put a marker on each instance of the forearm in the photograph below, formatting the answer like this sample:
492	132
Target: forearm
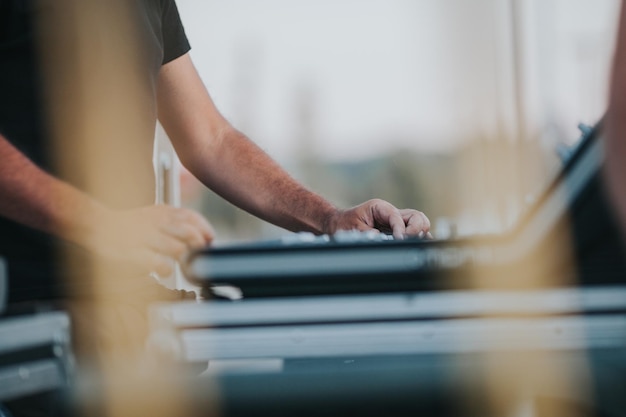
245	175
229	163
615	124
36	199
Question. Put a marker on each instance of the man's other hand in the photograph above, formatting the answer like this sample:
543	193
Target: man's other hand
149	239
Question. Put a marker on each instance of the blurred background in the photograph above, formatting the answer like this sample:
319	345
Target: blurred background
461	109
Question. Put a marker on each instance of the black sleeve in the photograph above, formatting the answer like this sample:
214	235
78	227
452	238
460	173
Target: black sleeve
175	43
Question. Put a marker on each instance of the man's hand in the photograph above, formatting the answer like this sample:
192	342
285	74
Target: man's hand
145	240
380	215
149	239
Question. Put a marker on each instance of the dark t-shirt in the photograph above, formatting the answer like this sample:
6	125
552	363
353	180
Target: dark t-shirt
34	271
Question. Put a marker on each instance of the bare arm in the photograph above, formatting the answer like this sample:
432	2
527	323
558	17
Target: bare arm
30	196
226	161
143	238
615	124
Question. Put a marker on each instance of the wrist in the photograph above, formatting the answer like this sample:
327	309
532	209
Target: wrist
84	226
331	220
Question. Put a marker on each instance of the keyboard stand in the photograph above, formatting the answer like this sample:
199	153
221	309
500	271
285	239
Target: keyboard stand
401	354
35	354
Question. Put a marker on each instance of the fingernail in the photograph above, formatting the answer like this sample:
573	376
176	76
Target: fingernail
420	234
